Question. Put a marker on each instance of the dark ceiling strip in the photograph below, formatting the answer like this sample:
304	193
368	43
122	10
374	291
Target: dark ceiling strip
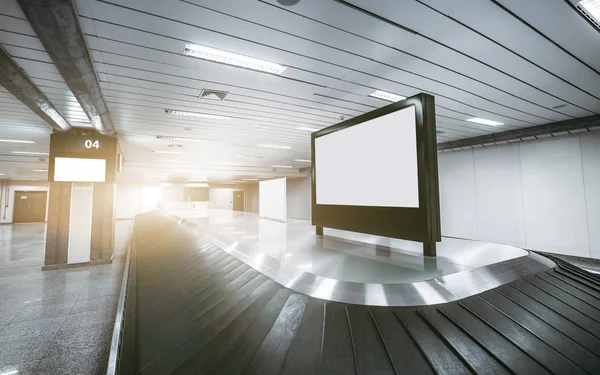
498	70
508	49
540	130
56	25
427	61
364	57
380	18
17	83
544	35
582	16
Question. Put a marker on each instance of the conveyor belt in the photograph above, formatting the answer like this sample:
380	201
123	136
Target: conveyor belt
199	310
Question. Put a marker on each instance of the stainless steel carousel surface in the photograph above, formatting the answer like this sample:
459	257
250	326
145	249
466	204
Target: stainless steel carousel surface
361	269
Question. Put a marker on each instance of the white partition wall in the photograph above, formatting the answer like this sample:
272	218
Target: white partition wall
272	199
541	195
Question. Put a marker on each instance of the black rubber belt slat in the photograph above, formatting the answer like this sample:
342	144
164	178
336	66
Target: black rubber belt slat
371	354
580	283
565	297
501	348
202	317
243	350
529	343
177	355
304	352
568	287
548	334
337	355
562	308
439	355
579	279
479	360
554	319
271	354
218	346
405	355
579	271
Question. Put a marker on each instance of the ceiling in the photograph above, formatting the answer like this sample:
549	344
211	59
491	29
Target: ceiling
503	60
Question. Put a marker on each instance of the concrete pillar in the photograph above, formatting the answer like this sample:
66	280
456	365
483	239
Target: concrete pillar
57	232
103	221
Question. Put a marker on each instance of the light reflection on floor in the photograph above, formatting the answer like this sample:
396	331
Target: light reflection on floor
345	255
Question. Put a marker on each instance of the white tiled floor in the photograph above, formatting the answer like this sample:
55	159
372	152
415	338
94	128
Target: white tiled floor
55	321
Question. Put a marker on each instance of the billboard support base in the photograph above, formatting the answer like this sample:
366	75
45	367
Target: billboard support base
429	249
319	231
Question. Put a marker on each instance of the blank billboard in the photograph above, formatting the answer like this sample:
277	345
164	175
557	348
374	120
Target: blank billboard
79	170
370	164
272	199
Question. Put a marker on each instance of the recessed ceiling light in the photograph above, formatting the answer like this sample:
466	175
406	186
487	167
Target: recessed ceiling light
28	153
281	166
228	183
306	128
227	163
591	7
40	170
171	152
278	147
241	182
250	179
303	160
15	141
168	138
483	121
29	179
387	96
230	58
2	174
202	185
195	114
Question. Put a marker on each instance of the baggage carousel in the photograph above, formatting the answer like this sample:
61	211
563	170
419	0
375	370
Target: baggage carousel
191	307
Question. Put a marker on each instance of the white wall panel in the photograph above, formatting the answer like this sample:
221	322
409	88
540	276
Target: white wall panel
80	227
457	194
272	199
499	195
299	204
555	211
590	156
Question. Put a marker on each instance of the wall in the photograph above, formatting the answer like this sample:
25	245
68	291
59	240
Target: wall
252	198
298	196
6	213
221	196
540	195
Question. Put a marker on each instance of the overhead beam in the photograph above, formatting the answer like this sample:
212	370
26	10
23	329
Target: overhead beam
17	83
56	25
524	134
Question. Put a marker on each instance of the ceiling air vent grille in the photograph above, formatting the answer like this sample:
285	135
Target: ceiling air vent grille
582	9
213	94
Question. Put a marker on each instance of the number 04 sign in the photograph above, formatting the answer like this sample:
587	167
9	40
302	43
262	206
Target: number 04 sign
89	144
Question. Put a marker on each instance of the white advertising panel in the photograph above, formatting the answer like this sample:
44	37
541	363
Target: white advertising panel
79	170
370	164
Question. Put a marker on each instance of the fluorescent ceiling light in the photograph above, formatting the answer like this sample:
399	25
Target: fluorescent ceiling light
483	121
28	153
230	58
278	147
165	137
233	164
250	179
195	114
306	128
228	183
200	185
240	232
303	161
592	7
2	174
40	170
29	179
249	157
15	141
281	166
171	152
387	96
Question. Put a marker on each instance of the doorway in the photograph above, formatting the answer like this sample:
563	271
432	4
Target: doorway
30	207
238	201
